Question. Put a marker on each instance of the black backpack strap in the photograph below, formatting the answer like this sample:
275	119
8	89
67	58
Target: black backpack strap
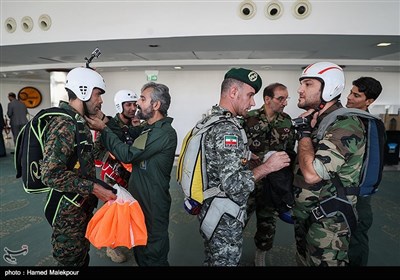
339	203
80	139
55	197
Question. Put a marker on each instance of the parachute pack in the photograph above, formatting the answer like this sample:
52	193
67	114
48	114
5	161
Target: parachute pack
373	161
29	151
29	148
371	169
191	169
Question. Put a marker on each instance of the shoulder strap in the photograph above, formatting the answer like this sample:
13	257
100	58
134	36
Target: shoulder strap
202	126
80	137
331	117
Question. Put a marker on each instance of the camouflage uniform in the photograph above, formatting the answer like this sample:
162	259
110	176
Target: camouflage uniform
325	242
226	169
265	136
70	247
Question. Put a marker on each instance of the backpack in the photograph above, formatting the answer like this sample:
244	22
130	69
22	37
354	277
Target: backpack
29	148
29	151
373	160
371	169
191	173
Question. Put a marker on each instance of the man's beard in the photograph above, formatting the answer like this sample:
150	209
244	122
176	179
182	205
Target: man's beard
145	114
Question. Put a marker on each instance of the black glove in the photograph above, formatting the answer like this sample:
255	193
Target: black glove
302	126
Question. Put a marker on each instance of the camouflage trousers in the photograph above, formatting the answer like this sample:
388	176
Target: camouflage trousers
266	218
319	243
70	246
225	246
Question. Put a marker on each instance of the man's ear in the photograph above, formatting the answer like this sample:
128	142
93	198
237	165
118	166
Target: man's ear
369	101
233	91
157	105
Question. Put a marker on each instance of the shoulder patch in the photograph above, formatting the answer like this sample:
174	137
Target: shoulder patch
230	141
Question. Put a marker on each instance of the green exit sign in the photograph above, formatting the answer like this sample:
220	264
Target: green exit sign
152	77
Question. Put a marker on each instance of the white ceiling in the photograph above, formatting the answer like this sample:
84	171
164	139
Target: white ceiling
276	52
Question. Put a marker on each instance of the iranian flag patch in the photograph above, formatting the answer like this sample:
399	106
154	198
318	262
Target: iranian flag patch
230	141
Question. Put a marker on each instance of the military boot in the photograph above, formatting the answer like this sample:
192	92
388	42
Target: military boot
116	255
259	259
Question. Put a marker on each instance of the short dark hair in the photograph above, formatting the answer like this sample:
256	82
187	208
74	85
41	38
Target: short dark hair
371	87
71	94
269	90
12	94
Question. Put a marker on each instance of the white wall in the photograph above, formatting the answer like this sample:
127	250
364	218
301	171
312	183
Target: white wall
194	92
77	20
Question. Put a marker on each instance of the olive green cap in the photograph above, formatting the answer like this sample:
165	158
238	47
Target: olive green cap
247	76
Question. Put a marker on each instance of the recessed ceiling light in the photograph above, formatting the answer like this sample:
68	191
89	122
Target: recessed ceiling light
383	44
178	67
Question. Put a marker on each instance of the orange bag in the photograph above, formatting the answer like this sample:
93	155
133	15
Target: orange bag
118	223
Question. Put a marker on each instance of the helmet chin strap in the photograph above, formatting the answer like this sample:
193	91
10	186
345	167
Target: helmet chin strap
321	105
323	102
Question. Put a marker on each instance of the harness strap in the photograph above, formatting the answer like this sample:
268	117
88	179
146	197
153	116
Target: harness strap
218	207
352	190
331	206
339	203
54	200
214	191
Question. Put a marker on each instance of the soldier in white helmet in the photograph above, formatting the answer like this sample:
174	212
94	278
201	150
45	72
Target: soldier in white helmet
71	216
114	171
324	213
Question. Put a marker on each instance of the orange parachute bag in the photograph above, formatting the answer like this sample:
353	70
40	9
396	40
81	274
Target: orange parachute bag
118	223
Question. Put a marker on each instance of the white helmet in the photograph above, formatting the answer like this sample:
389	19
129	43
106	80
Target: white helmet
82	81
330	74
124	95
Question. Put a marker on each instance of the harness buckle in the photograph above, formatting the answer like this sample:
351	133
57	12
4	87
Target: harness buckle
317	213
80	200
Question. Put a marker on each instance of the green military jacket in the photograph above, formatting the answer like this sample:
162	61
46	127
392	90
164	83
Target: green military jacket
265	136
152	156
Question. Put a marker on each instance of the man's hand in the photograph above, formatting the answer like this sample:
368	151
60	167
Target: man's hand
304	124
275	162
95	123
135	121
102	193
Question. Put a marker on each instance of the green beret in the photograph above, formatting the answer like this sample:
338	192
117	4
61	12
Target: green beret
247	76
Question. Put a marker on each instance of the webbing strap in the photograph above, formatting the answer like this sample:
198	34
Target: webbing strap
218	207
330	207
212	192
339	203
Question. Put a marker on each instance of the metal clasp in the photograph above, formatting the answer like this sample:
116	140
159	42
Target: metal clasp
317	213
